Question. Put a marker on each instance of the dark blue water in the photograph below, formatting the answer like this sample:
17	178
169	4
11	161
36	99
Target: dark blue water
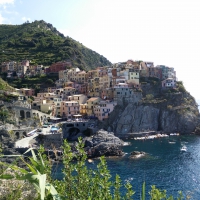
165	166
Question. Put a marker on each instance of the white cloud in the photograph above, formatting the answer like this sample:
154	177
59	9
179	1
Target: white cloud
26	19
2	19
2	2
64	31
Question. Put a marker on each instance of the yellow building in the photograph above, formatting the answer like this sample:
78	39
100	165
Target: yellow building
93	73
90	105
80	77
104	82
83	109
93	87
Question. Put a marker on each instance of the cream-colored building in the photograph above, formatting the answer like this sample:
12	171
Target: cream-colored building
134	77
68	91
46	107
80	98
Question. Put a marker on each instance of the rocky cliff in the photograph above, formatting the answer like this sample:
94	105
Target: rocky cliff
173	110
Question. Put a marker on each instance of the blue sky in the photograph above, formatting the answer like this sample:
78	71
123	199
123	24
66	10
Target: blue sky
164	31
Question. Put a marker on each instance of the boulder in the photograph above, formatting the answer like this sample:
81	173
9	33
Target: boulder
103	136
137	154
107	149
103	143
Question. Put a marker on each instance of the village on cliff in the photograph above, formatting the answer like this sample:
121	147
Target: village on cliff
92	94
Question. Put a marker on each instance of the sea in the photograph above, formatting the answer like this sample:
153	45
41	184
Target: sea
166	165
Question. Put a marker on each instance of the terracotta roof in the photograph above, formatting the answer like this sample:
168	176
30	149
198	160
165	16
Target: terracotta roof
69	88
93	99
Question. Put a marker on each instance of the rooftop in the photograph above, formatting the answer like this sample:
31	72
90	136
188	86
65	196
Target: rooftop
93	99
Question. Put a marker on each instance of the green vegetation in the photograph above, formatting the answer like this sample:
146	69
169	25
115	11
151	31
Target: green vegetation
35	82
149	96
181	87
79	182
5	86
4	115
41	43
169	107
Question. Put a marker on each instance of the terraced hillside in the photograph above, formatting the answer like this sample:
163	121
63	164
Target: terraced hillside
41	43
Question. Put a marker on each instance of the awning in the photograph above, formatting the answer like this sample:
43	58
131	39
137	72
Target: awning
77	115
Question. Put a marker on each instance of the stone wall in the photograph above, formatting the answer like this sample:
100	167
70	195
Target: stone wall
51	141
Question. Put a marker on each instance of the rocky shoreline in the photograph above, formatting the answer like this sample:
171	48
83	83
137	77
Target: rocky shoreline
102	143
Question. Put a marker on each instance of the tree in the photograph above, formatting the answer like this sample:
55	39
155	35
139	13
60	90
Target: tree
4	115
181	88
50	81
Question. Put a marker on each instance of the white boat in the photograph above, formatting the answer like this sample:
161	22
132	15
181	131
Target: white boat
183	148
90	161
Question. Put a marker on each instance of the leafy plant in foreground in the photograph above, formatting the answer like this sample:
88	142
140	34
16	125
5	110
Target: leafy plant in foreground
79	181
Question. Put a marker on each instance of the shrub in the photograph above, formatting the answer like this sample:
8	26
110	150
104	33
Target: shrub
79	181
149	96
169	107
181	88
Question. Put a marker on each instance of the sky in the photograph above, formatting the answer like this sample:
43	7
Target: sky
166	32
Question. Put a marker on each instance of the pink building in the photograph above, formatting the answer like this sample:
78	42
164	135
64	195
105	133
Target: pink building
103	109
27	92
56	67
69	108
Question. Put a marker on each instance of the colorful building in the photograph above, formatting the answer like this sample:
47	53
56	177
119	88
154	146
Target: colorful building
69	108
103	109
169	83
90	105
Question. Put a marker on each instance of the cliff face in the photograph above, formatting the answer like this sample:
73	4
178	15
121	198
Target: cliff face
168	112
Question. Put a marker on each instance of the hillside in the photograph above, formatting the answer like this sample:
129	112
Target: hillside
41	43
5	86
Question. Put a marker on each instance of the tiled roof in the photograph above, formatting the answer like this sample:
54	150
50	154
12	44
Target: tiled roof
93	99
